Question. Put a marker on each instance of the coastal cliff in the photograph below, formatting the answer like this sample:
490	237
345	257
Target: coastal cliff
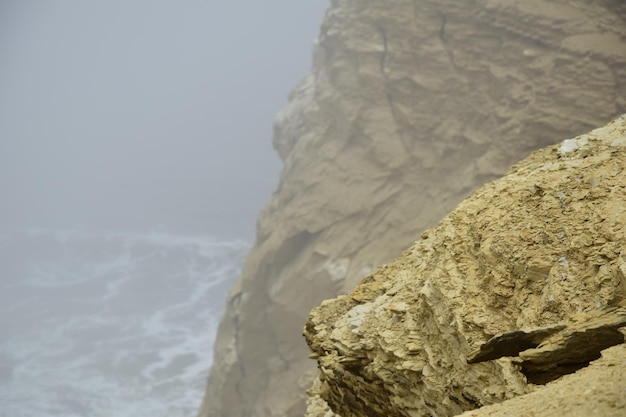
409	107
523	283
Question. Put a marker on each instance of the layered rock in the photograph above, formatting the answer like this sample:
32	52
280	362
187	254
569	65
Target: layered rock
409	106
524	282
596	390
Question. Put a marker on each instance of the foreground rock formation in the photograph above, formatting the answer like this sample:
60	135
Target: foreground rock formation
524	282
409	107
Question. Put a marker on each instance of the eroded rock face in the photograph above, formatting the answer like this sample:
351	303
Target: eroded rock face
595	390
410	105
532	265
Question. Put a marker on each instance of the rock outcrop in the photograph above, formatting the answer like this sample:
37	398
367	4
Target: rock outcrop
596	390
410	106
524	282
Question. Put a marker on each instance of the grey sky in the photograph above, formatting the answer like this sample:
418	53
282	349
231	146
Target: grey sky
145	114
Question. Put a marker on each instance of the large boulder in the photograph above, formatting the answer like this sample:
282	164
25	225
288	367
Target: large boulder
408	108
524	282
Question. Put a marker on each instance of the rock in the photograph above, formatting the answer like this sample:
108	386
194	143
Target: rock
595	390
432	336
408	108
549	353
572	349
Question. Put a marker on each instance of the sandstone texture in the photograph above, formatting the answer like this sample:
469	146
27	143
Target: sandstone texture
410	105
523	283
594	391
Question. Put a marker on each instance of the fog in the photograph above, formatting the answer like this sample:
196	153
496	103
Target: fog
135	155
146	114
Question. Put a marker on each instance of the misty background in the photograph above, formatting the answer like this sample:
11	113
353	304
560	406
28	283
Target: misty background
135	155
145	114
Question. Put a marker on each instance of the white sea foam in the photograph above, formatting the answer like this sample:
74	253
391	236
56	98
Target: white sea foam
114	325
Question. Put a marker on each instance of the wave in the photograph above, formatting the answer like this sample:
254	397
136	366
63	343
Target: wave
110	324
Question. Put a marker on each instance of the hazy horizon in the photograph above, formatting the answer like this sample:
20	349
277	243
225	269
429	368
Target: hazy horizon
145	115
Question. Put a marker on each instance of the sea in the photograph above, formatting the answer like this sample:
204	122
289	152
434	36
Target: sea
110	324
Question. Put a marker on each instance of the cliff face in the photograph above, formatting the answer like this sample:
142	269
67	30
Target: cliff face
409	106
521	284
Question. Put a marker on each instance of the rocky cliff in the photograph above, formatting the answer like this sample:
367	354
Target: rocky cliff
524	282
410	106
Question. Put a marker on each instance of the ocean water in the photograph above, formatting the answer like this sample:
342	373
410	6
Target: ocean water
111	325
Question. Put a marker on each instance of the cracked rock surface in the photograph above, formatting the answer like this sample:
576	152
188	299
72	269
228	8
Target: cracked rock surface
410	105
597	390
524	282
548	353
